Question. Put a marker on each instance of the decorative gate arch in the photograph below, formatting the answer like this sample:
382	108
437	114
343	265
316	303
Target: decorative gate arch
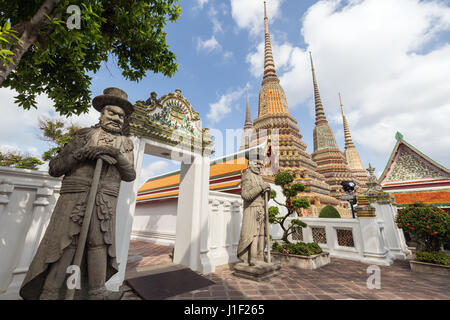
169	128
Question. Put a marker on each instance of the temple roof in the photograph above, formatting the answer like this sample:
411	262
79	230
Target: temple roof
408	167
225	175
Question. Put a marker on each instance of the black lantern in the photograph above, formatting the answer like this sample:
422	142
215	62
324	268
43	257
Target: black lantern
349	188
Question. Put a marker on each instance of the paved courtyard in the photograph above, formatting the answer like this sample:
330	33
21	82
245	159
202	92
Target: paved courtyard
339	280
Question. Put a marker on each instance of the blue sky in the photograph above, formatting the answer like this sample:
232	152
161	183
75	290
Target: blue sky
389	59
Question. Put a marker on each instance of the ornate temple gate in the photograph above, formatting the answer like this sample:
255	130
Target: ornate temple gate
169	128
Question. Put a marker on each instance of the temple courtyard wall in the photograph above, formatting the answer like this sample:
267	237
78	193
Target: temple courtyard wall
27	199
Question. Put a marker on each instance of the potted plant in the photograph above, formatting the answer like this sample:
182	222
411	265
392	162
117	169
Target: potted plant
301	255
430	227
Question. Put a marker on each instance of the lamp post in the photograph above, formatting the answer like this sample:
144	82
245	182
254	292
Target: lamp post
349	188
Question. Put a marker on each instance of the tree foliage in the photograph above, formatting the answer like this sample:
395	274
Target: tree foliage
18	160
57	132
429	225
50	58
293	204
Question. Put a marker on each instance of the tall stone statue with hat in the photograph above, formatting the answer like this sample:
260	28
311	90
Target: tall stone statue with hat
80	238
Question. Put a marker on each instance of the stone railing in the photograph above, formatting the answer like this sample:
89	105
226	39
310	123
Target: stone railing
27	199
219	243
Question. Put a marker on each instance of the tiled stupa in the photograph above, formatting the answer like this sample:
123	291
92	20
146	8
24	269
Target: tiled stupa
331	162
351	154
273	116
289	151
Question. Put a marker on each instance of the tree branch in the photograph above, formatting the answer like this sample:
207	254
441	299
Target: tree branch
28	35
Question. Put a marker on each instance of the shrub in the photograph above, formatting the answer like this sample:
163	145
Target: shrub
437	257
302	249
329	212
429	225
293	204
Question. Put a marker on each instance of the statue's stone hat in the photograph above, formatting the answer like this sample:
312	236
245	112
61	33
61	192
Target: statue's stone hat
113	97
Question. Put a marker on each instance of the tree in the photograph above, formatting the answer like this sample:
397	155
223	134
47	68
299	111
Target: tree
292	204
48	57
18	160
58	133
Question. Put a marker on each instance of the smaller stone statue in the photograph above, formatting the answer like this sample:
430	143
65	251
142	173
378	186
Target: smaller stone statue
251	243
255	230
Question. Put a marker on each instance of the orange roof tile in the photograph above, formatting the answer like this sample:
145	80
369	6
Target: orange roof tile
438	196
217	170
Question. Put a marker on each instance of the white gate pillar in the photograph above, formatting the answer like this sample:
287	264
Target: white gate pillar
192	216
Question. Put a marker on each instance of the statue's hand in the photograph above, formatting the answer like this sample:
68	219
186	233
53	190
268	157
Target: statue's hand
109	160
93	153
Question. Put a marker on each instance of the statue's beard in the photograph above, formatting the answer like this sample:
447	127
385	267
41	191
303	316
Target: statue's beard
110	127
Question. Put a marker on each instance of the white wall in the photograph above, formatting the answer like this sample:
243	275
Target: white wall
156	221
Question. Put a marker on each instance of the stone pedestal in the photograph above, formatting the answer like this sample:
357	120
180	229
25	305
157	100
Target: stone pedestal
260	272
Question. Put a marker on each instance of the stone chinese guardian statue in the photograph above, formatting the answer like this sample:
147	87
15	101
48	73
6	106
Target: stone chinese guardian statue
253	232
47	275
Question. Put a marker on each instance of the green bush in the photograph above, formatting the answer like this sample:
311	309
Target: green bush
329	212
437	257
430	225
300	248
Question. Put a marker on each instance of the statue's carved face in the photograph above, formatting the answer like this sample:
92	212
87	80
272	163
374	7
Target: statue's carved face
255	167
111	119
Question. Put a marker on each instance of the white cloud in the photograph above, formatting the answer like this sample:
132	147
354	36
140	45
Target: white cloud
249	14
208	45
389	61
152	170
225	105
217	25
201	3
19	129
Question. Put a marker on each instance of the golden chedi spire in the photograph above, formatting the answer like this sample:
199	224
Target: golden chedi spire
274	119
330	160
351	154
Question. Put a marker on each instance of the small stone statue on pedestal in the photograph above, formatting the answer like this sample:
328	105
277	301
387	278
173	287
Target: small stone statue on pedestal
254	232
93	163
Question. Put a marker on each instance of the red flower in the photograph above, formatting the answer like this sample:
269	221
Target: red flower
428	227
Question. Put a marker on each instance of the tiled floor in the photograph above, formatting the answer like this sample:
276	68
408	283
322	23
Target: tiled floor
341	279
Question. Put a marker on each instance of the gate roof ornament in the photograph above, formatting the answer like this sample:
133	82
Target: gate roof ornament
170	120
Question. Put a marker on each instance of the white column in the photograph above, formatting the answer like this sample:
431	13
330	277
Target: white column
192	217
374	251
395	240
126	204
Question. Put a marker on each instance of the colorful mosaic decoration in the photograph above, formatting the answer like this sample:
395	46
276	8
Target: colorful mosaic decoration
170	120
409	166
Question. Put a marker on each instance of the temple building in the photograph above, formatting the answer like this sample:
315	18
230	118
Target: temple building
412	176
352	155
331	162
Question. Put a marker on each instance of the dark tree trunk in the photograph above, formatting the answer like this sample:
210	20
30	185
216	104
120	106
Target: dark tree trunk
27	33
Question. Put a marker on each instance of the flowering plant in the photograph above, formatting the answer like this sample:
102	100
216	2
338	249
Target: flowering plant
430	225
